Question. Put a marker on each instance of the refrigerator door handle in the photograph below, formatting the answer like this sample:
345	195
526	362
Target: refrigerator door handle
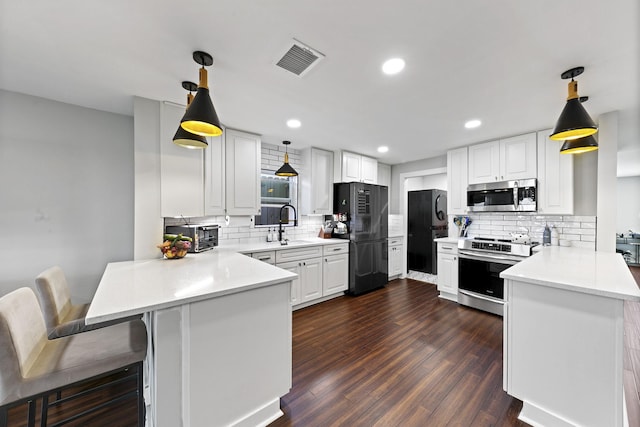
439	213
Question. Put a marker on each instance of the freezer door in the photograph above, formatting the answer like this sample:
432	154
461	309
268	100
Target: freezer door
367	266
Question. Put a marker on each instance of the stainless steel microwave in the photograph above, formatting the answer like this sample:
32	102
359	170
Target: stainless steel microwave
205	237
505	196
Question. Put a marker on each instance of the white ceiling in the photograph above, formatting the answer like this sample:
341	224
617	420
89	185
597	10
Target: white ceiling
499	61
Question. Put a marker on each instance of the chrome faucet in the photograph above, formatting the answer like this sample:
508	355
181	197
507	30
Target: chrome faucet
295	220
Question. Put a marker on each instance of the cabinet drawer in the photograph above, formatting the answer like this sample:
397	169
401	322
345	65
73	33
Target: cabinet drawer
447	248
268	256
285	255
340	248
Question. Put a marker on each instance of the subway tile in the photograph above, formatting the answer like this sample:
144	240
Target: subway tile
588	225
584	218
503	222
589	231
569	237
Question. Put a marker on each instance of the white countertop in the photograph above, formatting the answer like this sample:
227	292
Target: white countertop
272	246
577	269
134	287
450	239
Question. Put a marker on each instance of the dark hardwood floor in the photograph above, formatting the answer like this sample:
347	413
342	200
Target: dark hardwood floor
400	356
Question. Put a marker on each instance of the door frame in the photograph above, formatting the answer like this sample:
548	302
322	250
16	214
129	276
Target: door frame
402	188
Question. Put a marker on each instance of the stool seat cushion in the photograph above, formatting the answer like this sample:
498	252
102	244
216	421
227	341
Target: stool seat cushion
65	360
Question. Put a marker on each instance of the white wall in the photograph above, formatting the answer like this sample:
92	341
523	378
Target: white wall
628	210
403	168
66	191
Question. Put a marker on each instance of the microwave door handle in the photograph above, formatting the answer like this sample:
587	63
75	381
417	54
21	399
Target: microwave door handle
515	195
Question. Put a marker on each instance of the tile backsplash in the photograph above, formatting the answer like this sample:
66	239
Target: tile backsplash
576	231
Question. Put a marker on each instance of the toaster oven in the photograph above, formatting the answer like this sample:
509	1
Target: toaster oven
204	237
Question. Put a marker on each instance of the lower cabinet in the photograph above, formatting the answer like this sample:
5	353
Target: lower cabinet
395	246
448	270
335	274
323	272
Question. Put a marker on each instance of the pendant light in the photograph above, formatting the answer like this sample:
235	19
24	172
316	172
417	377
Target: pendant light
185	138
580	145
201	117
574	121
286	169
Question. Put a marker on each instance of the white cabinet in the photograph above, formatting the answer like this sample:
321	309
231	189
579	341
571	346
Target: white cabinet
181	169
504	159
555	177
232	174
316	182
310	279
448	270
457	181
368	170
242	173
335	274
395	246
354	167
214	176
294	267
335	269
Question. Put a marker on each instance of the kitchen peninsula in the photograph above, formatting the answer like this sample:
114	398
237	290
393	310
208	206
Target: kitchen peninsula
219	326
563	336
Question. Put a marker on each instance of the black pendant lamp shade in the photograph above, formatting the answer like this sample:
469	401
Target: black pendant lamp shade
184	138
201	117
574	121
580	145
286	169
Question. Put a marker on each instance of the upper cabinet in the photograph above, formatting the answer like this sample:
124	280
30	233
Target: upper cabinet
232	174
316	182
356	168
504	159
181	169
457	181
555	177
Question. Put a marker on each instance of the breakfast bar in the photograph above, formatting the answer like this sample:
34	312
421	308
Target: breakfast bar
563	336
219	327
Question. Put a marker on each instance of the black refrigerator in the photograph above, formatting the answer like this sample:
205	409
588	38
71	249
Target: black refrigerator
426	220
364	210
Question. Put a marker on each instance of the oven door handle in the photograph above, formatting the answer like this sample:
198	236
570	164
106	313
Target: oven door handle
488	257
480	296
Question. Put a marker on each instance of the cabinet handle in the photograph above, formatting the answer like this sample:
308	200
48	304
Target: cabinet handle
264	258
455	258
337	249
447	247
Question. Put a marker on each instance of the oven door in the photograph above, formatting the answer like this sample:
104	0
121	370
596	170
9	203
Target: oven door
479	282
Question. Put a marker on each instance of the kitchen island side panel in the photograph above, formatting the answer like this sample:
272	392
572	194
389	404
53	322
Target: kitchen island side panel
564	355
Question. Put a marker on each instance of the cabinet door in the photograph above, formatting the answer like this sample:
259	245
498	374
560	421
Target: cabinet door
311	279
351	167
321	181
448	273
555	177
294	267
457	181
181	169
397	261
368	170
214	185
243	156
518	157
484	162
335	274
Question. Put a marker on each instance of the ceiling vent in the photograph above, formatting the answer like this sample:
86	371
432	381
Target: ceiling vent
299	58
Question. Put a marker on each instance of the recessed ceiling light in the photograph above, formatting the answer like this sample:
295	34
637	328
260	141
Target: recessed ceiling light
383	149
393	66
294	123
472	124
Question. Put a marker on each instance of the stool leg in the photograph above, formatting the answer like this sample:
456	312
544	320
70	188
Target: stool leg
141	404
4	416
31	413
44	411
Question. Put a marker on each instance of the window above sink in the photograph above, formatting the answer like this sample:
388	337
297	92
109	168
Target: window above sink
276	191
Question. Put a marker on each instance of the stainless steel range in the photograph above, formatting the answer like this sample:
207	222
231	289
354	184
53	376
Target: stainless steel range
481	260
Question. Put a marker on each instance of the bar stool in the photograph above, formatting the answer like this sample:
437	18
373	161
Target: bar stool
33	367
61	317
